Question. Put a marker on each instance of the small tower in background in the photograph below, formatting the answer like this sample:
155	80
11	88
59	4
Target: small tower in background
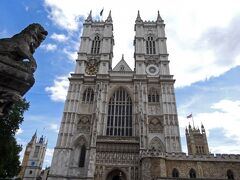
196	141
33	158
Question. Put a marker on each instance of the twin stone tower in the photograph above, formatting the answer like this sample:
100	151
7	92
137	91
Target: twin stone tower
113	115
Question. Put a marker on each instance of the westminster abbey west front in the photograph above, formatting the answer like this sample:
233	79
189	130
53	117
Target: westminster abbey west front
122	124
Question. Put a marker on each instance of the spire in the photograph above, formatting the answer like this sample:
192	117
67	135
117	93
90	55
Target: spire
89	18
109	18
159	19
34	136
122	57
138	17
202	128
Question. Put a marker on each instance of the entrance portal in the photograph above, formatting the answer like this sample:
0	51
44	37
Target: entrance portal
116	175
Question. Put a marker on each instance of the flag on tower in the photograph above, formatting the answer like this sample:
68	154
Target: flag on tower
189	116
101	12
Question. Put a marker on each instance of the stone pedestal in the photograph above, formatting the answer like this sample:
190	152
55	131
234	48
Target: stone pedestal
16	78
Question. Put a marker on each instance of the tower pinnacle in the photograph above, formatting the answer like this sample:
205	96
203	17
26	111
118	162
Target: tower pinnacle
159	19
109	18
89	18
138	18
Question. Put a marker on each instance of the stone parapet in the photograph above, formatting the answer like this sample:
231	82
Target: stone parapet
184	157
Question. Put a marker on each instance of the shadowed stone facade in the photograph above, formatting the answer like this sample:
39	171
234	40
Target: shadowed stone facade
120	123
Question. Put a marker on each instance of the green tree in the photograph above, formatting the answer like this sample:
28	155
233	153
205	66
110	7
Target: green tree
9	149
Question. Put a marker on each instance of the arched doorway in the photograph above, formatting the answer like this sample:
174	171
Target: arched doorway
116	175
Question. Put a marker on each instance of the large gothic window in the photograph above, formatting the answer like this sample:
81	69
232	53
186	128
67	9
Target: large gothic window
119	122
150	45
96	45
88	96
153	95
82	156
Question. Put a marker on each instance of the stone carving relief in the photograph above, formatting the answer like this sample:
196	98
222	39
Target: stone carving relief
154	109
156	144
83	125
155	125
117	158
146	169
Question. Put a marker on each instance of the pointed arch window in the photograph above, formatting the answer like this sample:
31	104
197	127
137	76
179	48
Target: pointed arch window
153	95
122	68
82	156
230	174
192	173
150	45
175	173
96	45
88	96
119	122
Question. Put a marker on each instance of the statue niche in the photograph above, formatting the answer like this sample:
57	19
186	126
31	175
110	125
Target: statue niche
83	125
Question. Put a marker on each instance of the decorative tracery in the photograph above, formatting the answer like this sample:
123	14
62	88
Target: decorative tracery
88	96
119	122
96	45
150	45
153	95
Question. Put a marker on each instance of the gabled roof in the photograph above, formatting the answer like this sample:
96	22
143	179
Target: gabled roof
122	66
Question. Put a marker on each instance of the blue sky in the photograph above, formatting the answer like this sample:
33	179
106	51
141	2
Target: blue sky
204	52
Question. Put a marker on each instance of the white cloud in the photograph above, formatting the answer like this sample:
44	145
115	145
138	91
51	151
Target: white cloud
185	24
3	33
49	47
72	55
58	91
19	131
59	37
48	157
54	127
224	115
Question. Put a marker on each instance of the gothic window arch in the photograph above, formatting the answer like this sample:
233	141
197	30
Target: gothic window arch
175	173
96	45
82	156
150	45
153	95
230	174
122	68
192	173
156	144
88	96
119	122
78	154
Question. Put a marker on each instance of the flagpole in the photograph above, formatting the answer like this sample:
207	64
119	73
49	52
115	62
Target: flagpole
192	120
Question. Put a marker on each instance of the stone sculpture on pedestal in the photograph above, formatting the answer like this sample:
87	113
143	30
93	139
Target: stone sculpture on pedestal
17	64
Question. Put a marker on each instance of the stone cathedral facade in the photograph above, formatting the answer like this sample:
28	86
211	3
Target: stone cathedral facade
122	124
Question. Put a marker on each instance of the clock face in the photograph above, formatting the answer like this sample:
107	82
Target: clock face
92	68
152	70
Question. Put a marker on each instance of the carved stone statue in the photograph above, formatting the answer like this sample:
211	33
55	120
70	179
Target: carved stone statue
17	64
22	46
